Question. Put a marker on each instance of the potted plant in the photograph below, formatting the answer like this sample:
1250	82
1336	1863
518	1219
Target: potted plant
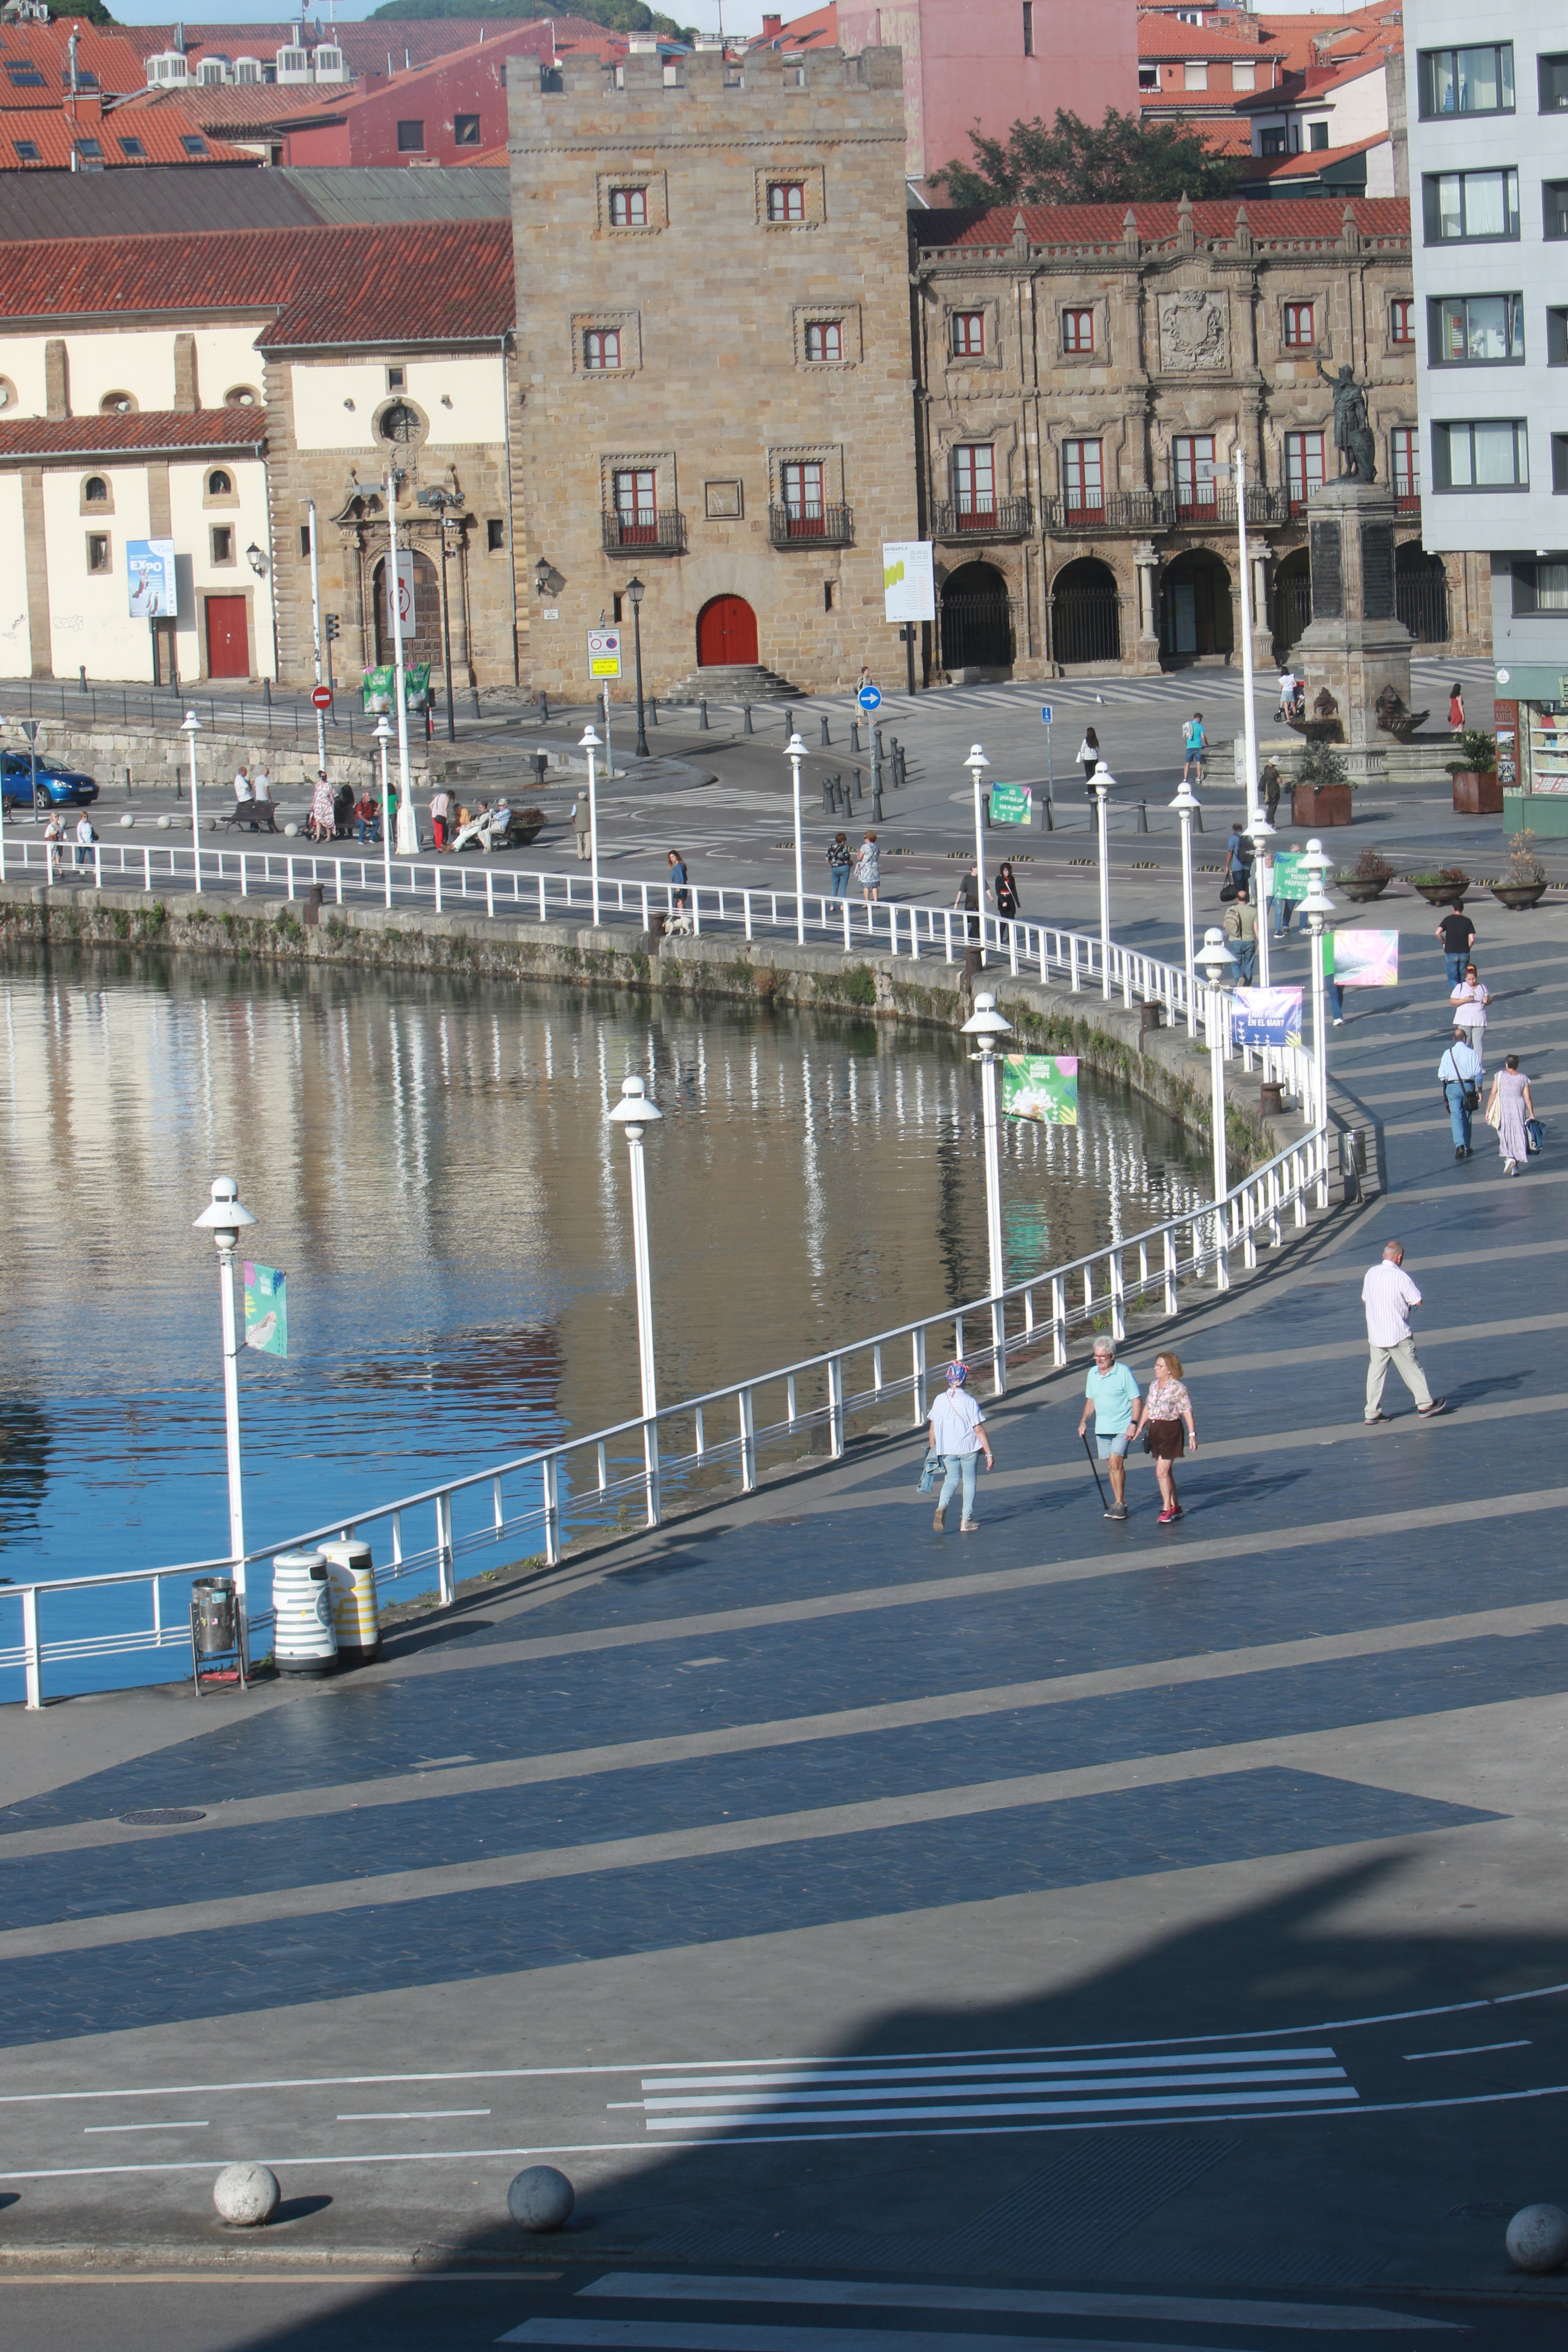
1367	879
1526	875
1477	789
527	824
1322	791
1446	888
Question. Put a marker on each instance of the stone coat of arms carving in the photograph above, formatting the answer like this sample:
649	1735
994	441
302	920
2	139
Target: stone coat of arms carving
1191	332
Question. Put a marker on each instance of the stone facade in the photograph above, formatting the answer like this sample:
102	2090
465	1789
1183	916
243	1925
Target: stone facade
1084	381
713	353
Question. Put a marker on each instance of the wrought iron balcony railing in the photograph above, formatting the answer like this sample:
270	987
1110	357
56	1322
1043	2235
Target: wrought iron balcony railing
662	533
811	526
1003	518
1114	510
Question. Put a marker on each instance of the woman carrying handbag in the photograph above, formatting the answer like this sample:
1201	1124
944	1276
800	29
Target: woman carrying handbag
1089	752
1165	1421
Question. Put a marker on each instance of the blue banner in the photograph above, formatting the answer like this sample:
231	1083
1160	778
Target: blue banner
1265	1016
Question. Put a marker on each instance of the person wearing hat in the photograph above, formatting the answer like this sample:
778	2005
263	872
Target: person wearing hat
956	1430
582	825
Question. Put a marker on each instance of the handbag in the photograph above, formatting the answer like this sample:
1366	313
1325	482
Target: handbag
929	1468
1534	1135
1494	1112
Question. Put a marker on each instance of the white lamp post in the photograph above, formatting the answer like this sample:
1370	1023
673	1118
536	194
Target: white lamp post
1103	780
985	1026
1260	832
795	753
1317	907
384	737
977	765
407	827
48	875
635	1111
225	1220
1186	807
1249	716
189	727
1218	966
590	743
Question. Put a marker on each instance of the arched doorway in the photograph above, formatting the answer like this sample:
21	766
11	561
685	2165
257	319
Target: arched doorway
1292	601
423	642
1086	613
976	619
726	632
1421	593
1194	607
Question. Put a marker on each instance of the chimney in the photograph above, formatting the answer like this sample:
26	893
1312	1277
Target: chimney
772	28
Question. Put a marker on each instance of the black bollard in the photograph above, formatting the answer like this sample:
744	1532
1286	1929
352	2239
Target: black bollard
880	753
474	690
903	774
828	796
543	708
1198	819
1142	816
840	797
653	711
854	734
1050	820
702	714
789	725
860	788
827	737
748	729
877	803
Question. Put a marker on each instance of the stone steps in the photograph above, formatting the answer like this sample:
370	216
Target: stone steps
734	682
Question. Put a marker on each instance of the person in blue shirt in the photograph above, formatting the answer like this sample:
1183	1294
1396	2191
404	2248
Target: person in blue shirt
1195	749
1459	1075
1111	1393
678	877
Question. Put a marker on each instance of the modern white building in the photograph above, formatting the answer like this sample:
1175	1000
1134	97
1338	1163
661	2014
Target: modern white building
1488	103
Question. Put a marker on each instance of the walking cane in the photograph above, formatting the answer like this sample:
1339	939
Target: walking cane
1086	1447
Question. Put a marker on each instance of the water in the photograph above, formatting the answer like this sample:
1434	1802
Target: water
431	1162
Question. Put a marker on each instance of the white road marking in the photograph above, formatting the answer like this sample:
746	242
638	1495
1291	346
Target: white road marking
694	2335
411	2115
1470	2049
188	2123
877	2294
1208	2101
792	2071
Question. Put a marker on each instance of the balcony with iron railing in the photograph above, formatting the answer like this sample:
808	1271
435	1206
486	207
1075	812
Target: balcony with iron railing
1200	505
1406	501
1001	519
811	526
662	532
1111	510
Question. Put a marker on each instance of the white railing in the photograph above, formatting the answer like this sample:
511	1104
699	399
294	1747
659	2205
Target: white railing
588	1482
878	927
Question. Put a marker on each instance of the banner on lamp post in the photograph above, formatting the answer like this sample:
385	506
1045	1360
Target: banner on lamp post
1012	804
1043	1087
266	1309
1364	959
1265	1016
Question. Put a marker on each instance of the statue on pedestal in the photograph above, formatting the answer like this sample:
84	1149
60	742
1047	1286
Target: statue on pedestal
1352	434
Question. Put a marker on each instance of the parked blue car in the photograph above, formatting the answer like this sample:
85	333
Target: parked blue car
58	787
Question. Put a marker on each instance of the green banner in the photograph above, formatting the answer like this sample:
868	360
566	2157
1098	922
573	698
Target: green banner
1011	803
266	1309
1042	1086
1289	877
381	688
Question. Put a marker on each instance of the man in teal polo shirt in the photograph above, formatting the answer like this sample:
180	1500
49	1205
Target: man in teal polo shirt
1111	1393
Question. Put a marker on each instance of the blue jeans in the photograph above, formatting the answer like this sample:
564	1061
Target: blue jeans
840	881
958	1466
1456	964
1283	910
366	831
1336	999
1246	954
1459	1117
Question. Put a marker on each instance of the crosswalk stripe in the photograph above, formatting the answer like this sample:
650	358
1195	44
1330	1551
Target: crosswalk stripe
1183	2101
785	2096
910	2071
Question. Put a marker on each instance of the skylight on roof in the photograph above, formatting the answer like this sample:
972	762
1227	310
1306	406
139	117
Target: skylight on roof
132	147
27	151
192	145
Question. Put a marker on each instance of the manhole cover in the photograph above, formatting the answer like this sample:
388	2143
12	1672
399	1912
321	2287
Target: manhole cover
162	1815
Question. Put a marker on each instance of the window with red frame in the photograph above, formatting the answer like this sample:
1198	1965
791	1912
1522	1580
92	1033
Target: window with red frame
601	347
1083	478
786	199
1402	323
1298	327
1406	465
1303	467
637	506
1078	331
628	208
802	499
969	334
824	340
1194	456
974	483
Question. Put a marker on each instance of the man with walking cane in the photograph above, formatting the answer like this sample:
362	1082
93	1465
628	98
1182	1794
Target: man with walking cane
1111	1393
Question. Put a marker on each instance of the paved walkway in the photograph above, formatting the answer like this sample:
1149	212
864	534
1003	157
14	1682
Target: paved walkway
1178	1910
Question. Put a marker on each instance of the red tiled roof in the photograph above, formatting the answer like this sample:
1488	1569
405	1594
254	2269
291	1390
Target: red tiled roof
150	433
366	46
1312	160
1167	36
241	108
412	282
54	135
1101	224
106	61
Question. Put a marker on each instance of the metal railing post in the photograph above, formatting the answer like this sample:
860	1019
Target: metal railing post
650	1470
550	1468
748	1442
918	1373
835	1404
445	1565
31	1650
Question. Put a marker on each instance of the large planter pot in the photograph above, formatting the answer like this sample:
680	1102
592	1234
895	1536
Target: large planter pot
521	835
1359	890
1478	792
1328	804
1517	895
1442	894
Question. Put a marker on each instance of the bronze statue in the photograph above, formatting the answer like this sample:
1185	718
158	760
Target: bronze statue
1352	434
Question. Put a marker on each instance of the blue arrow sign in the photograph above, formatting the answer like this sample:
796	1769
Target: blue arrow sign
1046	712
870	697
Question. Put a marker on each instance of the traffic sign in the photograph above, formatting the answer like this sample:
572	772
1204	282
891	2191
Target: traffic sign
603	653
322	698
1046	712
870	697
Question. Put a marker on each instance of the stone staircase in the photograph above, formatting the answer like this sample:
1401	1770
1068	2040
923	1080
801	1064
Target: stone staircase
734	682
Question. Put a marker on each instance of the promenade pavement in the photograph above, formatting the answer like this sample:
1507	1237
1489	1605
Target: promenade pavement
1160	1928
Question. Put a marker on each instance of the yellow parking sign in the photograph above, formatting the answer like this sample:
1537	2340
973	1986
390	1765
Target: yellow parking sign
603	653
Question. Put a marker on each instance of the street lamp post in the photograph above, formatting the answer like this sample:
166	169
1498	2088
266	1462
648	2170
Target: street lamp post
1218	970
440	499
636	591
1317	907
1249	716
635	1111
1187	807
795	753
985	1026
225	1220
383	737
189	727
590	743
316	631
407	831
1103	780
977	765
1260	832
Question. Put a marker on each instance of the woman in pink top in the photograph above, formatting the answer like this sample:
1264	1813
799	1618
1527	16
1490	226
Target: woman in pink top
1161	1415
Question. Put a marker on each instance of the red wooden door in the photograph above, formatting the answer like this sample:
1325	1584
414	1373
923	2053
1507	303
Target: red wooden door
228	637
726	632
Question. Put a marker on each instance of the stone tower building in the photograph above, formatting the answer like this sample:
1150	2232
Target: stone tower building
714	359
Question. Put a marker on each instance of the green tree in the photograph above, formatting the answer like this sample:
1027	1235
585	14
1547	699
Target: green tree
1122	161
88	12
616	16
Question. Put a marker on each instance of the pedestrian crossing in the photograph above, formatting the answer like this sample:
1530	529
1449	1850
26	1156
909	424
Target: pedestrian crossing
990	2091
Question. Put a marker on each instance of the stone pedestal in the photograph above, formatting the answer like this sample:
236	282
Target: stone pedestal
1354	645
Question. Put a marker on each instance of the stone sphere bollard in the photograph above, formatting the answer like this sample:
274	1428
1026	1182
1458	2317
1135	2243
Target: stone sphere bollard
210	822
541	2198
292	831
1537	2238
246	2195
164	823
127	820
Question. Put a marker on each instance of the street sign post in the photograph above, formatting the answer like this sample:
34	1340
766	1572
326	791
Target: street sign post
322	696
870	697
603	653
1045	716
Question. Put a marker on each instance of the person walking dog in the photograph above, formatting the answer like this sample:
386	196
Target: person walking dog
956	1430
1166	1419
1388	1294
1460	1076
1111	1394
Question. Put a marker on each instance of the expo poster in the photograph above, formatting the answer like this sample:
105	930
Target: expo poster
1042	1086
1265	1016
266	1309
1366	959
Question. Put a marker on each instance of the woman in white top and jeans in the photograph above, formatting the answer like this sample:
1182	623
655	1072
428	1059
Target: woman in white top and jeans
957	1431
1469	1002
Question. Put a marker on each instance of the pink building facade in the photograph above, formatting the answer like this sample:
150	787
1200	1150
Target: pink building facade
993	61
